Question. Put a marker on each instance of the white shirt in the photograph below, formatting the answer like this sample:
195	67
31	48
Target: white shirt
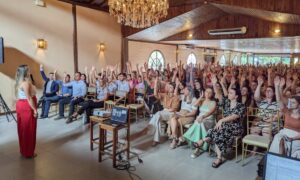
188	106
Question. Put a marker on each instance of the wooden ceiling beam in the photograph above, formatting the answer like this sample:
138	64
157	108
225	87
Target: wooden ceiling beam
256	28
87	5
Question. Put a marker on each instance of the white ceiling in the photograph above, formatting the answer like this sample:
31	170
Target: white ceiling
262	45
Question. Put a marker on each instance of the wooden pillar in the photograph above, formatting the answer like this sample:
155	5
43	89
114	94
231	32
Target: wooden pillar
75	45
124	54
177	51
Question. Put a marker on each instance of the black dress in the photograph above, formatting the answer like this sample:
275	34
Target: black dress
224	137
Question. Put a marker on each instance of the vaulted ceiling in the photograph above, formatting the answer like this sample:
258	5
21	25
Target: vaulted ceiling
189	20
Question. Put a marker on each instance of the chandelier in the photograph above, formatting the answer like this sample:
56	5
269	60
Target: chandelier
138	13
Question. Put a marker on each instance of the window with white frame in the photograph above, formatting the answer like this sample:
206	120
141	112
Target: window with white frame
156	60
235	60
191	59
222	60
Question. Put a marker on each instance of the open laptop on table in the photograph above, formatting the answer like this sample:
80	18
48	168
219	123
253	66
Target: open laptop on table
119	116
279	167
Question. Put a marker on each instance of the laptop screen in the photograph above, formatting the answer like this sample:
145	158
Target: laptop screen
119	114
279	167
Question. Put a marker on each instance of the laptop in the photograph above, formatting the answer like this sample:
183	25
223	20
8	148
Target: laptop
119	116
279	167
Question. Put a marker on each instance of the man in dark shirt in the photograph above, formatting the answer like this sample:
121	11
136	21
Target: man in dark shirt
51	88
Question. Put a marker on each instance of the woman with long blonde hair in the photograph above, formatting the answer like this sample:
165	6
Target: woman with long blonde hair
26	111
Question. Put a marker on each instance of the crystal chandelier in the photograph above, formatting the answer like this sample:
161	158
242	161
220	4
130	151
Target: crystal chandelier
138	13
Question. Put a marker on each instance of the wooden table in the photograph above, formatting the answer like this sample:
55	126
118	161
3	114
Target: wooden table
110	147
94	120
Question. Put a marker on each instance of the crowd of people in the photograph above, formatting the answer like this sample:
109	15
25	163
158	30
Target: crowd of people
212	99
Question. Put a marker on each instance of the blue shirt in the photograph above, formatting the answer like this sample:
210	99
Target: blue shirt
102	93
112	87
48	86
64	89
122	85
79	88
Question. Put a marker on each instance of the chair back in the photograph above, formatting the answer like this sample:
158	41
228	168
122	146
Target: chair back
121	94
254	114
91	92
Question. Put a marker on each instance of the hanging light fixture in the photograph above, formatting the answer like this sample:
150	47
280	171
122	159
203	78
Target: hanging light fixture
138	13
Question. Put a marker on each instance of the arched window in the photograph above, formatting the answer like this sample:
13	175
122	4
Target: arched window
222	60
191	59
156	60
235	60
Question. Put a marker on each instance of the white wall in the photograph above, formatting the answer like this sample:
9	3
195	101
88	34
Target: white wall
22	23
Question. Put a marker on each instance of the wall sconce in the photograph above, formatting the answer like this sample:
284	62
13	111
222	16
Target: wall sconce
101	47
277	30
41	44
40	3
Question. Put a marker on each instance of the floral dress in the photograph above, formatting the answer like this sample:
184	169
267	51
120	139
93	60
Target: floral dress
224	137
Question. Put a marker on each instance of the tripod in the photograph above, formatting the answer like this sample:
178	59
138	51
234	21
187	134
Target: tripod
6	109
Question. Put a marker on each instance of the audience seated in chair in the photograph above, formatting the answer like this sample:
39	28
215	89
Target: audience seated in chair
287	141
222	135
78	93
170	101
204	121
186	115
50	90
66	93
268	110
89	105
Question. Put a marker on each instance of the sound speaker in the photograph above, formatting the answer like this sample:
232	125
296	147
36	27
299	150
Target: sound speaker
1	51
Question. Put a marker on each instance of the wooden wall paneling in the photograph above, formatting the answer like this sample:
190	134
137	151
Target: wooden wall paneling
257	28
179	24
262	14
284	6
172	12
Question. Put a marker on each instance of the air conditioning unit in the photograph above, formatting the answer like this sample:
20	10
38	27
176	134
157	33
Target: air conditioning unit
240	30
190	46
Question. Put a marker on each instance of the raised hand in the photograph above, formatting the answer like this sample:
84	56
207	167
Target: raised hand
201	94
282	82
289	83
260	80
233	80
295	76
41	67
177	82
277	81
223	80
214	79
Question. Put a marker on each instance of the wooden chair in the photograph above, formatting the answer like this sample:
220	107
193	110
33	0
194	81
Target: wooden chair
91	93
134	108
55	105
253	139
120	98
95	120
111	147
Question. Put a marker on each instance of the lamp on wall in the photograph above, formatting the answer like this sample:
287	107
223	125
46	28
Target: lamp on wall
101	47
40	3
41	44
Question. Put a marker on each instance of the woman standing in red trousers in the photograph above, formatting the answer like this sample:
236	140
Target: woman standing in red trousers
26	112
